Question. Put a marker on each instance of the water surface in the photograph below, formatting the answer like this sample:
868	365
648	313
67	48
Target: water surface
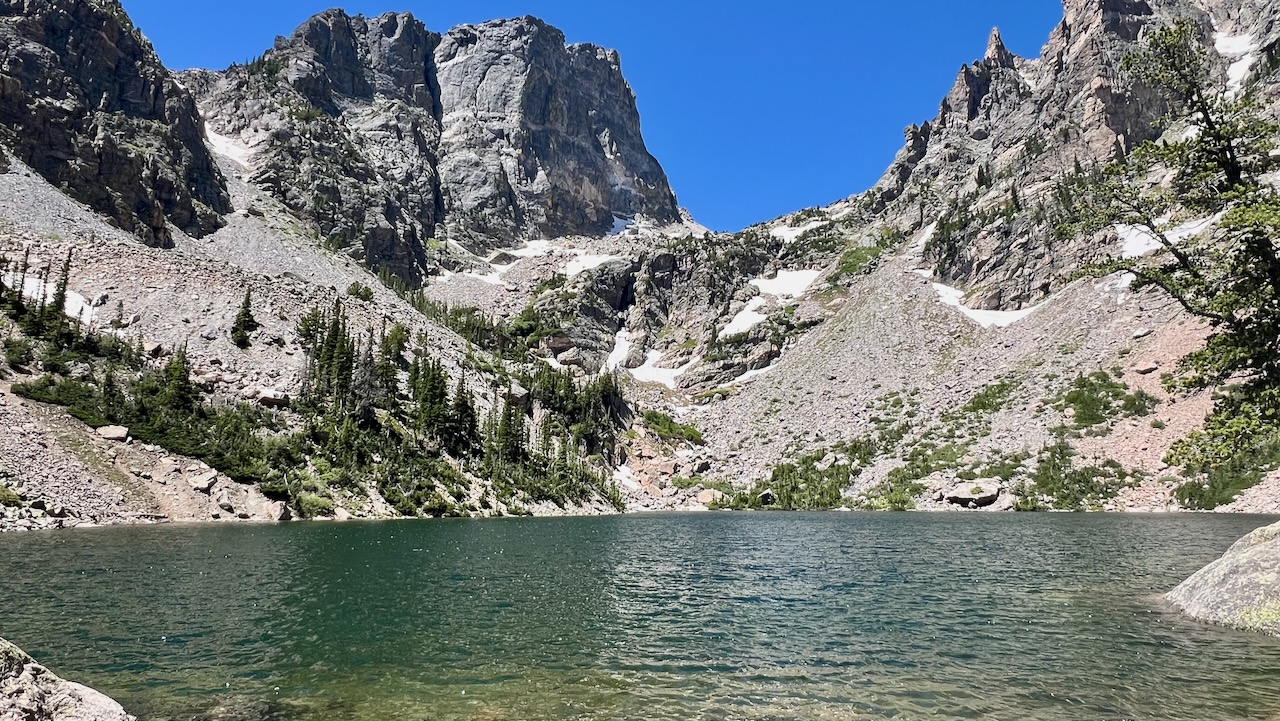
708	616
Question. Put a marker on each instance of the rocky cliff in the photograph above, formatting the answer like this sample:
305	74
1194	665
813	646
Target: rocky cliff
30	692
85	102
386	136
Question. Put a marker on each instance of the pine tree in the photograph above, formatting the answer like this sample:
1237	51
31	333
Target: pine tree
463	432
178	392
1230	278
244	323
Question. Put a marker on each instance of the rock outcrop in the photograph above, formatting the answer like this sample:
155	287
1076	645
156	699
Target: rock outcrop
30	692
385	135
86	103
1241	589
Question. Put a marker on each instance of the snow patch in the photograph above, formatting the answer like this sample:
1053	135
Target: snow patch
1136	241
586	262
493	277
620	224
751	375
75	307
789	235
621	351
532	249
650	373
1241	50
230	148
788	283
954	297
746	319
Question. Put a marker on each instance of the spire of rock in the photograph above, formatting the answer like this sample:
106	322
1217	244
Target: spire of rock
997	54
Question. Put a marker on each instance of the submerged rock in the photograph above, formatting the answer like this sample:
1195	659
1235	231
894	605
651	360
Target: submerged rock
1240	590
30	692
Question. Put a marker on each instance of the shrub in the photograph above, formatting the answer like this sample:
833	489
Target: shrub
9	498
361	291
311	505
667	428
18	353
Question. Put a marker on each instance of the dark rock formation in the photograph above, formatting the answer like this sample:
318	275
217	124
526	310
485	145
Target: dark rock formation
86	103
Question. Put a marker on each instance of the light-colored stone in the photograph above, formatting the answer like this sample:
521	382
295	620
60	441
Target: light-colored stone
205	482
1241	589
118	434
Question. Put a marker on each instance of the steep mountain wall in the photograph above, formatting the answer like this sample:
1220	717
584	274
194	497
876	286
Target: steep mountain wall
386	135
85	102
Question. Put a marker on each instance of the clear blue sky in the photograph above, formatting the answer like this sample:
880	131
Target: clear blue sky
754	108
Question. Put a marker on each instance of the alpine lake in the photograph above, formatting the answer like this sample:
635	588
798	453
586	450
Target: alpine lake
697	616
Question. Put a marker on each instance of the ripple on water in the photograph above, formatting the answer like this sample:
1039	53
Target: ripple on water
710	616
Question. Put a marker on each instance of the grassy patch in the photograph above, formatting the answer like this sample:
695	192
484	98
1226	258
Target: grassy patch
1099	398
669	429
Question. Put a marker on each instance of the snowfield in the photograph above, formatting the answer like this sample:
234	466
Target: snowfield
954	297
650	373
746	319
789	235
1241	49
230	148
788	283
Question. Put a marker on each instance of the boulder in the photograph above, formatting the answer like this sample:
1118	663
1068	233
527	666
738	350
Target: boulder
278	511
1146	369
975	494
341	514
224	501
1240	590
30	691
204	482
118	434
517	394
272	398
711	496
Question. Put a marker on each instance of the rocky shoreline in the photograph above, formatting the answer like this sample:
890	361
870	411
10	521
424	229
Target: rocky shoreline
31	692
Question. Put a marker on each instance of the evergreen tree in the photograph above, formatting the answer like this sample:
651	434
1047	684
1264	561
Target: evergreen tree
1230	277
178	392
244	323
463	433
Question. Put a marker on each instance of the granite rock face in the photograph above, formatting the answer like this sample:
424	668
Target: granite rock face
30	692
1241	589
86	103
385	135
1011	127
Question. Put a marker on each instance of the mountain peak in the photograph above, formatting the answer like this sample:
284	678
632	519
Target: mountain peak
997	53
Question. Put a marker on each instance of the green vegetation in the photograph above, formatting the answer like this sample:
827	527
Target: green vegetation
244	323
1099	398
375	412
668	429
9	498
360	291
1072	488
857	258
807	484
1228	278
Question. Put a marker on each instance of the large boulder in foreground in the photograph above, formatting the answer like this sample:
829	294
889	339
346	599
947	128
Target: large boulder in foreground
1241	589
30	692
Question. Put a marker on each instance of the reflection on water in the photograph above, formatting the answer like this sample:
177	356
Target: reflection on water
746	616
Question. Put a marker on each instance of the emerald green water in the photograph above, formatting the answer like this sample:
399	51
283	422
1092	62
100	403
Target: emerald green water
711	616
